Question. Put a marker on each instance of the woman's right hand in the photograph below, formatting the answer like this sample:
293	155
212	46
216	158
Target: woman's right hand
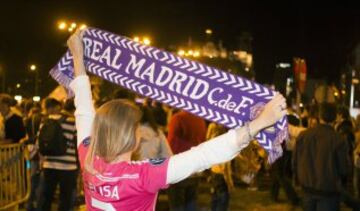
76	47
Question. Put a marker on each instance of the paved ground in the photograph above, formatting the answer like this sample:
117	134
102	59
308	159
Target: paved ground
241	199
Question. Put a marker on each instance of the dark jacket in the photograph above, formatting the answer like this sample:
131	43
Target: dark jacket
14	128
320	160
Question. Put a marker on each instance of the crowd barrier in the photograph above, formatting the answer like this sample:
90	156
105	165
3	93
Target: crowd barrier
15	181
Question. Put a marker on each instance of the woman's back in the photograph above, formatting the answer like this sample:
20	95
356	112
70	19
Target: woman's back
123	185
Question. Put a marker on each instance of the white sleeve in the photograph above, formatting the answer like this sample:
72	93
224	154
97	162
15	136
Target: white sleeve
218	150
85	112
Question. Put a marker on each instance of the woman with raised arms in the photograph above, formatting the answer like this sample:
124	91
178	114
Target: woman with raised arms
107	137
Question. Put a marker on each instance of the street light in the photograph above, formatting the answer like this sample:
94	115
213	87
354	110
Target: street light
196	54
32	67
146	41
136	39
62	25
36	98
70	26
36	87
208	31
181	52
18	98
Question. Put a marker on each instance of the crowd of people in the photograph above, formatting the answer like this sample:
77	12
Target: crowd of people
320	166
163	131
322	155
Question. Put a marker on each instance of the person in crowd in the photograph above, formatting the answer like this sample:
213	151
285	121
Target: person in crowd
320	161
221	177
61	169
357	157
13	127
342	115
108	137
161	115
313	117
281	170
185	130
32	123
248	164
122	93
153	143
346	131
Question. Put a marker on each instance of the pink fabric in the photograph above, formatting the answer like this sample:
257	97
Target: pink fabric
123	185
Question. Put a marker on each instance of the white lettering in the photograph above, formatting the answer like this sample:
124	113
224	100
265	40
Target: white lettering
109	191
116	57
176	81
115	193
96	49
227	103
87	45
188	85
195	94
164	76
149	72
243	104
106	55
210	96
135	65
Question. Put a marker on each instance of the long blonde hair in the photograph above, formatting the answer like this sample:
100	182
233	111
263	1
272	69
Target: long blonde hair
113	132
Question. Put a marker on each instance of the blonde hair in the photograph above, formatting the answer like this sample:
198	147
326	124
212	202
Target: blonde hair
113	132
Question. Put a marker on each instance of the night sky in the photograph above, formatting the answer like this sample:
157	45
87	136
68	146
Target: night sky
325	36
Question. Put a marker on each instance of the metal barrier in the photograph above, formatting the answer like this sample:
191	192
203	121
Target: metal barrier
15	180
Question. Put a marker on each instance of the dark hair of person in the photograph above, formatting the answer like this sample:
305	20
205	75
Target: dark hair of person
123	94
343	111
346	130
149	118
7	100
51	103
28	105
293	120
313	110
69	105
327	112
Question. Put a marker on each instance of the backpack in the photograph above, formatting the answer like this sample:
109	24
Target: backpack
51	138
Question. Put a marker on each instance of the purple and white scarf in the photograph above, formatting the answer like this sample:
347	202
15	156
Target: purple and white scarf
205	91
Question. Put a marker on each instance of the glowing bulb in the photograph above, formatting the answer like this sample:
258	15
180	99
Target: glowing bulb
32	67
36	98
146	41
208	31
62	25
18	98
136	39
181	52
